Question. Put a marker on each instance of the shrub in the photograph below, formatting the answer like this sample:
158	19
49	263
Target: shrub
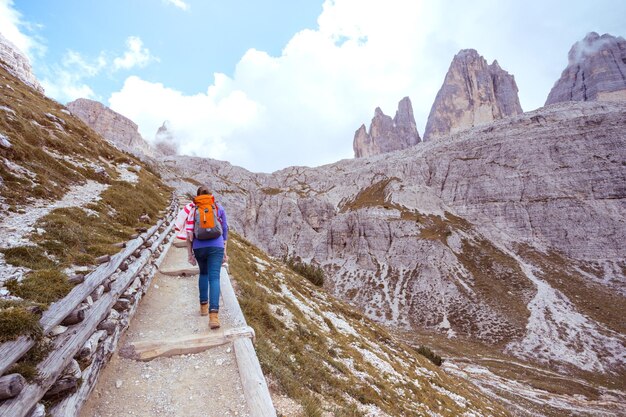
313	273
430	355
312	407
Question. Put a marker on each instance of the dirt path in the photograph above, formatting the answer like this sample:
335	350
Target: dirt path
203	384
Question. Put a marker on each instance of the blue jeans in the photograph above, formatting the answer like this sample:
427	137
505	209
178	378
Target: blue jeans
210	263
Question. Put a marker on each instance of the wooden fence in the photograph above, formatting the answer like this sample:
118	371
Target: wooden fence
101	308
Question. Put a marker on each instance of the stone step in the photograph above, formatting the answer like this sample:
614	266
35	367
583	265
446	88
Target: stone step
176	263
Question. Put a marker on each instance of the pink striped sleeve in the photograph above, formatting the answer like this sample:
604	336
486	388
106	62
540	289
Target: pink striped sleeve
189	222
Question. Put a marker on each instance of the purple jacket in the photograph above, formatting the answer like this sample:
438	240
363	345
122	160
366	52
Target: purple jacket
218	242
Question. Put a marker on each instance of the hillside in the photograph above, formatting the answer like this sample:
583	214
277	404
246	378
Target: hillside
499	247
331	359
67	197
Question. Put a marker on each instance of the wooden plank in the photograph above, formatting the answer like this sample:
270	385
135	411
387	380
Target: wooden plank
177	264
68	344
71	405
151	349
12	351
11	385
254	385
181	272
230	299
166	247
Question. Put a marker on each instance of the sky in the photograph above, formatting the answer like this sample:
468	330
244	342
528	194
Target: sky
267	84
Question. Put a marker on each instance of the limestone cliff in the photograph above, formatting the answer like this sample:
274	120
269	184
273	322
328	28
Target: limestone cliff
387	134
473	93
596	70
17	64
490	234
111	125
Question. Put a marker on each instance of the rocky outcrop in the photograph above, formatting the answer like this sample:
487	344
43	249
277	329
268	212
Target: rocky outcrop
117	129
596	70
473	93
387	134
165	141
497	233
17	64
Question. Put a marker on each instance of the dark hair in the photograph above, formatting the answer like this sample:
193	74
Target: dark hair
203	189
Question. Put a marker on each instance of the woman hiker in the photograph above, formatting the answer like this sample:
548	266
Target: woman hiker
207	236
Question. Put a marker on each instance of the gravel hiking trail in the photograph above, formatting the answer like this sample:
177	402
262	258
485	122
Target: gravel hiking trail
201	384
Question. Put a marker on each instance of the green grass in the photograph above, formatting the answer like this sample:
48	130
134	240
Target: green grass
32	257
75	237
16	321
44	286
27	365
36	141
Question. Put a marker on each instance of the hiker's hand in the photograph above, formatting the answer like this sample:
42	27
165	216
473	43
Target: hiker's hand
192	259
225	260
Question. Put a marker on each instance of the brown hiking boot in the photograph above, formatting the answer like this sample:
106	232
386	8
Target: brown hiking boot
214	322
204	309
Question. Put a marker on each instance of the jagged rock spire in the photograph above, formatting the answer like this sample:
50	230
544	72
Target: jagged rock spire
387	134
596	70
472	93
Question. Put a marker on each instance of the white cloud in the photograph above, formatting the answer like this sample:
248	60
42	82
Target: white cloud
200	122
178	3
70	79
135	56
302	107
10	26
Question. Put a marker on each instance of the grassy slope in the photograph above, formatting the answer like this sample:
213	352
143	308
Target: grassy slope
330	358
50	152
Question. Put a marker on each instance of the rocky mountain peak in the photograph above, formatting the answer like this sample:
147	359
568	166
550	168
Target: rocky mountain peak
164	140
117	129
387	134
17	64
473	93
596	70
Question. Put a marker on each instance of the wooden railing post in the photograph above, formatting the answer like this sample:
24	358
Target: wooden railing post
255	388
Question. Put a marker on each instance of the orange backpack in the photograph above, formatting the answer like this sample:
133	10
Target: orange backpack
206	223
